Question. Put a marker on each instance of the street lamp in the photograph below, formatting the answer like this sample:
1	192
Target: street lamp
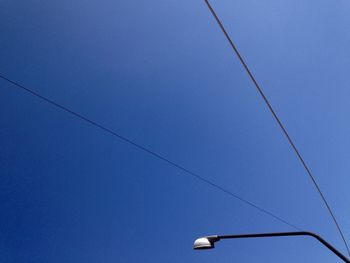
209	241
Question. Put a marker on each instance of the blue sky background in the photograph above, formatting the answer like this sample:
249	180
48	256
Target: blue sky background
162	74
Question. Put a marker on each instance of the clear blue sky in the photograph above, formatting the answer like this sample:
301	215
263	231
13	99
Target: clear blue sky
162	74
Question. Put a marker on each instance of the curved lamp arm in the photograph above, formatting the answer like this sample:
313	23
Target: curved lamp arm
208	242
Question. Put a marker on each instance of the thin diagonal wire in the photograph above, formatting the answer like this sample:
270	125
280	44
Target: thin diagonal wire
279	122
139	146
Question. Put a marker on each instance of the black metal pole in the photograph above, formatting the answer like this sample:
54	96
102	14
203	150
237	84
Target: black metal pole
283	234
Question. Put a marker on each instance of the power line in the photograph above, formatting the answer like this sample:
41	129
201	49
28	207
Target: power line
308	171
147	150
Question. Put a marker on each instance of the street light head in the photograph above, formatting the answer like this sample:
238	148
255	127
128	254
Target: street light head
205	242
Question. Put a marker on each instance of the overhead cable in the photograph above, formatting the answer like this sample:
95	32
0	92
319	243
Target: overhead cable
147	150
268	104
